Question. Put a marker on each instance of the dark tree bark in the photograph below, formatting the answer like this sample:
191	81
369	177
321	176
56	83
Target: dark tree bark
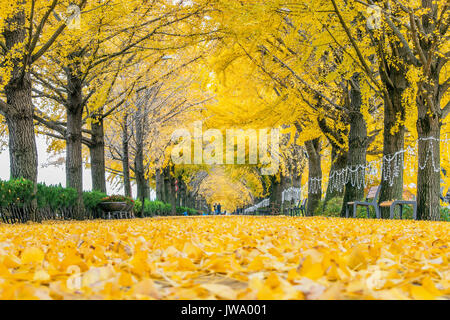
97	153
126	159
314	173
297	179
187	204
167	185
197	204
20	111
429	132
276	189
286	183
173	196
169	188
74	163
189	200
164	187
428	178
393	74
314	176
159	184
143	189
391	185
339	161
357	142
182	193
430	115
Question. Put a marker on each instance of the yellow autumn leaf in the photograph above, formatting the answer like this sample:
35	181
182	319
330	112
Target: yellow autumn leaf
221	291
420	293
192	251
310	269
32	255
41	275
11	261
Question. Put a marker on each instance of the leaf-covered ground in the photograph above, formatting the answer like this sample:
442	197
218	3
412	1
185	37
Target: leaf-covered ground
226	258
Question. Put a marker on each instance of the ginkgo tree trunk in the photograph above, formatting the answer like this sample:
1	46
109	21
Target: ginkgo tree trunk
357	146
276	189
18	108
424	43
25	39
97	154
126	157
393	74
421	29
313	148
140	124
338	159
429	30
393	77
74	158
393	142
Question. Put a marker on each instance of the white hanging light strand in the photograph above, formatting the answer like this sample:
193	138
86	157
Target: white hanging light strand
392	165
291	194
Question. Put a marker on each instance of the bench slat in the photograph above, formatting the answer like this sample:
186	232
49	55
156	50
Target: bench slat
372	192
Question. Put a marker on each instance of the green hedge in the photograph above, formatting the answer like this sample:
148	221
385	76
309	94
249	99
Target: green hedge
190	211
332	209
156	208
91	199
55	197
19	192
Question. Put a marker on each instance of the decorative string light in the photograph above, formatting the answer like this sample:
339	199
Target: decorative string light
360	176
291	194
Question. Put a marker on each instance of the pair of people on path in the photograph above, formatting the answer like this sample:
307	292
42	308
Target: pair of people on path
217	208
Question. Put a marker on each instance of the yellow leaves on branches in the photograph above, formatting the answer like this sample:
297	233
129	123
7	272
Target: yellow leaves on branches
226	258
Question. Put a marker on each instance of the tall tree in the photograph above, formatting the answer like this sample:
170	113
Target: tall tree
28	33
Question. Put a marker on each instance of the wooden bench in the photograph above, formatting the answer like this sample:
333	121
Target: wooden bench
391	204
372	194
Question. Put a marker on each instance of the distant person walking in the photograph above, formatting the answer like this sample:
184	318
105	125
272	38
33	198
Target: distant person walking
219	208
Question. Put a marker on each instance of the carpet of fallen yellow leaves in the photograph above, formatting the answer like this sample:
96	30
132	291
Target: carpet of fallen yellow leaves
226	257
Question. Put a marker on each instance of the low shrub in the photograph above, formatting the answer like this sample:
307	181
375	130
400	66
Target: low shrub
17	192
159	208
57	201
118	198
151	208
190	211
332	208
91	200
55	197
50	199
445	214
